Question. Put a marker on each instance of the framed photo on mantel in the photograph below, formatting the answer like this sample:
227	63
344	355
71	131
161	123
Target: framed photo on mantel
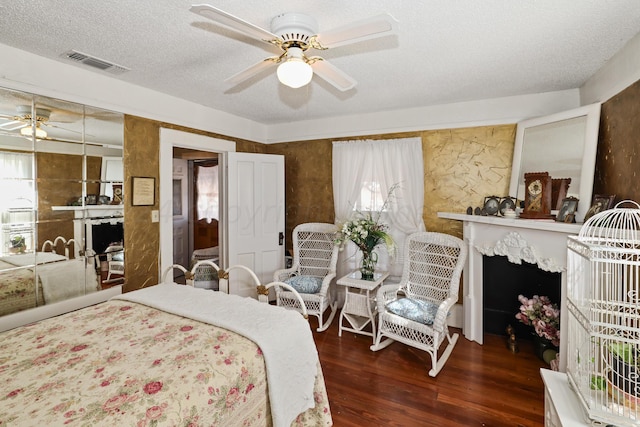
559	188
600	203
567	211
537	201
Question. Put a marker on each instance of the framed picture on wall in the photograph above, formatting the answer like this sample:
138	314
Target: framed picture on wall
143	191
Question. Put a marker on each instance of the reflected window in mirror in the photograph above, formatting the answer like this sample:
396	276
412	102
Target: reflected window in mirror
17	202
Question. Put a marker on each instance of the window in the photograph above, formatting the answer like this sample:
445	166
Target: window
208	194
371	197
363	173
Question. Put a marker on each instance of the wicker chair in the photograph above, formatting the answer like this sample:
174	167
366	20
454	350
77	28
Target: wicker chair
314	255
422	300
206	276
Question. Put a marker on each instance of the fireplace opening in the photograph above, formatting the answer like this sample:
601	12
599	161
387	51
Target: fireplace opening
502	282
105	234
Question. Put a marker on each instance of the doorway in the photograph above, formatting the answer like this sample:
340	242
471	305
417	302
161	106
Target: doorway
252	213
170	139
196	207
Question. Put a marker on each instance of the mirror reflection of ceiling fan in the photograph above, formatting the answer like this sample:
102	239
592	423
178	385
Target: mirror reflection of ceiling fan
23	120
295	34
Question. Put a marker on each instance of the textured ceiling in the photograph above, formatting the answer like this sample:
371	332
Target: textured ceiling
444	51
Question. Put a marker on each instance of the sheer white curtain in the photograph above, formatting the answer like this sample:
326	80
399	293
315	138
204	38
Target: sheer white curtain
372	167
208	203
16	181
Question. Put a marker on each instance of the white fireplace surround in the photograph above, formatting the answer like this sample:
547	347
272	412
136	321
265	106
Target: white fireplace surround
92	214
540	242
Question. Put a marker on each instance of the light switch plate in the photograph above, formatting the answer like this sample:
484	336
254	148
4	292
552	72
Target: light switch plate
155	216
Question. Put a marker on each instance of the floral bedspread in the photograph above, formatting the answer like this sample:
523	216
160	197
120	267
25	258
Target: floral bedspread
18	289
121	363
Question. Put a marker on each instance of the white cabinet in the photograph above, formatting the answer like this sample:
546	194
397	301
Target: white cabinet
561	405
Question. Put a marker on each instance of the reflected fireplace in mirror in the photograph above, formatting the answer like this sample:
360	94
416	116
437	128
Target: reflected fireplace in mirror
105	234
106	240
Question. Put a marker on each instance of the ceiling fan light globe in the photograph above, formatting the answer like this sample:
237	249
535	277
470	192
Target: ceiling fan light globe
294	73
28	131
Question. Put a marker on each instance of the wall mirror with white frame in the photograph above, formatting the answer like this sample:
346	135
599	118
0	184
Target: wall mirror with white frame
564	145
51	191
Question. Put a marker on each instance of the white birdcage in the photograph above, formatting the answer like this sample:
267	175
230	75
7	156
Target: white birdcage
603	291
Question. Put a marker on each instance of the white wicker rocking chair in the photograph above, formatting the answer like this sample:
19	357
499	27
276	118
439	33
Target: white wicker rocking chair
314	254
431	276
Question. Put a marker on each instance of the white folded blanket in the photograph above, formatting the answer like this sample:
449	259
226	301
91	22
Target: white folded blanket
22	260
284	337
65	279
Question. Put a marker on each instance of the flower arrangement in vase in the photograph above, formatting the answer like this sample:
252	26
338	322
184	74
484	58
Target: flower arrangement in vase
367	232
543	315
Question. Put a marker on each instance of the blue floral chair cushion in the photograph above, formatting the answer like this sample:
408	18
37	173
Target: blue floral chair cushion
305	284
414	309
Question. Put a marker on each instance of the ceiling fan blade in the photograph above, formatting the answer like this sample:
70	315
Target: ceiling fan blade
253	70
10	125
49	125
233	22
366	29
332	74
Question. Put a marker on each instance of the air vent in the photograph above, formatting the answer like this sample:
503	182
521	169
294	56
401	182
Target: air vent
92	61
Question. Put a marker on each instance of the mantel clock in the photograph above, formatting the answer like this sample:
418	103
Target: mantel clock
537	201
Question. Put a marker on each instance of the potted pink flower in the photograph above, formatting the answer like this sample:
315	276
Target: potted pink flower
544	316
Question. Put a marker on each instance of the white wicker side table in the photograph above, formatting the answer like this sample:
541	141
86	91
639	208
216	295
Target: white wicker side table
359	308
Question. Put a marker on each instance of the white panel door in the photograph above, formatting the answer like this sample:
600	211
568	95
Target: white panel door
255	209
180	203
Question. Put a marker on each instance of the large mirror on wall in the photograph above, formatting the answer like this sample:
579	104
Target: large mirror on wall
563	145
61	214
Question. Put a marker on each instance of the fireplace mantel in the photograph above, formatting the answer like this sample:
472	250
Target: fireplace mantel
92	211
541	242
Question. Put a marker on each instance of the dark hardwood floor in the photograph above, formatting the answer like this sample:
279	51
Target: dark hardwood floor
481	385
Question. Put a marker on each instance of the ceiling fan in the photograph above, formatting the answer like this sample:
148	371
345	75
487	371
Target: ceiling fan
295	34
24	118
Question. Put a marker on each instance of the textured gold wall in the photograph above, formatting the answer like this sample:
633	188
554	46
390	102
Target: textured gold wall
308	183
141	157
462	167
617	161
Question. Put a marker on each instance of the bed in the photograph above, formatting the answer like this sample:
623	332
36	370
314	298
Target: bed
31	280
165	355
